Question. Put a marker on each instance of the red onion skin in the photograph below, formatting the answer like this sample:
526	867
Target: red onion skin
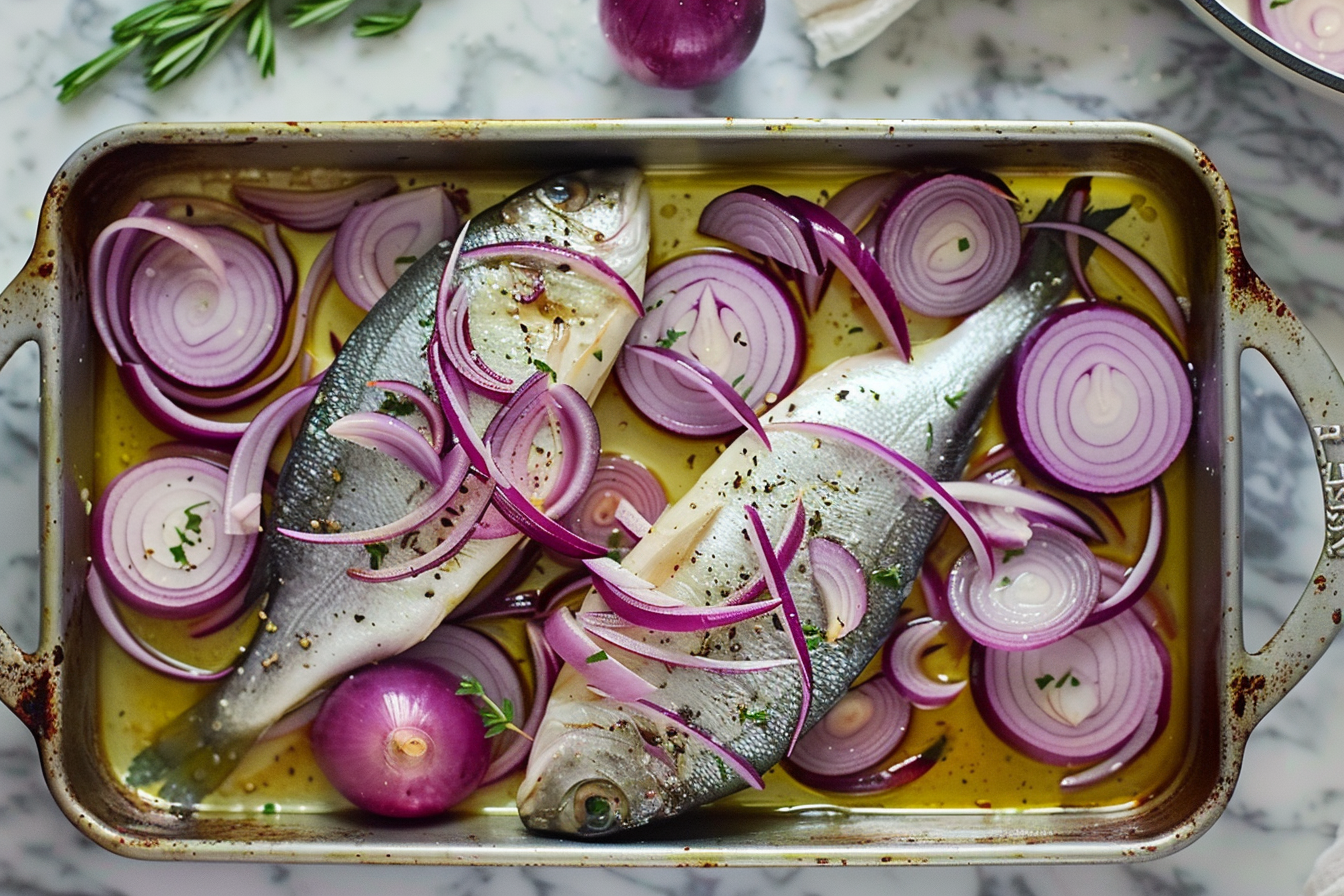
353	733
681	44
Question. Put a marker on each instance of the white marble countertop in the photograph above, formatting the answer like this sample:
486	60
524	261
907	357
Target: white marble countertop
1281	151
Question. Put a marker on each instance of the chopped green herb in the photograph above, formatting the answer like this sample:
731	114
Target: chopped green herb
813	635
963	244
1013	552
671	338
545	368
738	380
498	717
1044	680
193	518
405	259
615	554
1275	4
1005	582
180	556
853	330
395	405
759	716
889	576
1066	678
597	657
268	809
377	551
955	400
598	354
928	438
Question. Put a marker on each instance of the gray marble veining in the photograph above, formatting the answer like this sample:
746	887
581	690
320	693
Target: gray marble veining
1282	151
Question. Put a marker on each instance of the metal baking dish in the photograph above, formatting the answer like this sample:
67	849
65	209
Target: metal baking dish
53	690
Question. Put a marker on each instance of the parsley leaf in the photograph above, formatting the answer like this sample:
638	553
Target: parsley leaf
955	400
395	405
545	368
498	717
377	551
671	338
891	575
963	245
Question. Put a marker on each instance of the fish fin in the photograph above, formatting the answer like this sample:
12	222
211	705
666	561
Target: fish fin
189	758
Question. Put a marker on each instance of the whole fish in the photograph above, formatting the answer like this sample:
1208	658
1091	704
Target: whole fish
599	766
319	622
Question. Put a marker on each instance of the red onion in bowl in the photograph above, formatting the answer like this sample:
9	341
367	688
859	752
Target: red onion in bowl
949	244
681	43
1313	29
730	315
1097	400
397	739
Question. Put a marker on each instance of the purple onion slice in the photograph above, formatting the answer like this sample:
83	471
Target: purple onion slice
1097	400
1313	29
859	731
312	210
901	665
759	219
377	241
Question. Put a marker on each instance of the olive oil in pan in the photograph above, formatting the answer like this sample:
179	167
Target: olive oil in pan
976	773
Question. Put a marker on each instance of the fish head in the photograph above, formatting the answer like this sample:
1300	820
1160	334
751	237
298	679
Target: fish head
603	212
592	773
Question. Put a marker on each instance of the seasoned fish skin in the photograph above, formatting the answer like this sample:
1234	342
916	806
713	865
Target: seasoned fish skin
598	766
320	623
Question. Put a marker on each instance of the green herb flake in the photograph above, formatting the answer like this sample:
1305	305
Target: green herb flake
813	635
405	259
193	518
1275	4
759	716
498	717
928	438
1043	682
955	400
546	369
269	809
1013	552
395	405
598	354
891	575
597	657
671	338
377	551
963	245
853	330
1005	582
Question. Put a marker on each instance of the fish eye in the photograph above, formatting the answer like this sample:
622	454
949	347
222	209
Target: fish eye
598	806
567	194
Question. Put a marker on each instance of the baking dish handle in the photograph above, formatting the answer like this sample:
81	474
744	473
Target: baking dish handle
26	680
1260	320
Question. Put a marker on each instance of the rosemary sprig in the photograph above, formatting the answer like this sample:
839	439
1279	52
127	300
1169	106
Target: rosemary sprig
498	717
177	37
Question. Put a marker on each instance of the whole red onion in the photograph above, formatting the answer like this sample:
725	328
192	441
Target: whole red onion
681	43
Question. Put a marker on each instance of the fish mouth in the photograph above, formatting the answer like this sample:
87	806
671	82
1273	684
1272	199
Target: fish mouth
592	776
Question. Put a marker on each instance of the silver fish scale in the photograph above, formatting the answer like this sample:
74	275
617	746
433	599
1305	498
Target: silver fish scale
928	410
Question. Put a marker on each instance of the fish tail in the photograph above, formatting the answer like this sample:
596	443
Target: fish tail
191	756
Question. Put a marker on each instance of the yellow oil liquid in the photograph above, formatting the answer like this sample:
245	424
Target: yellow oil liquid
976	773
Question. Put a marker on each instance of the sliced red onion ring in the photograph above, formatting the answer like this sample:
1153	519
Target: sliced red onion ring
1147	274
901	665
196	329
1038	504
840	247
466	653
1034	599
391	436
159	540
452	324
312	210
921	484
595	625
428	408
1120	677
949	243
730	315
859	731
852	206
759	219
460	530
1135	582
841	584
615	680
734	762
139	650
786	549
374	240
1313	29
247	469
639	603
161	411
777	583
899	773
1097	400
618	482
453	472
687	372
